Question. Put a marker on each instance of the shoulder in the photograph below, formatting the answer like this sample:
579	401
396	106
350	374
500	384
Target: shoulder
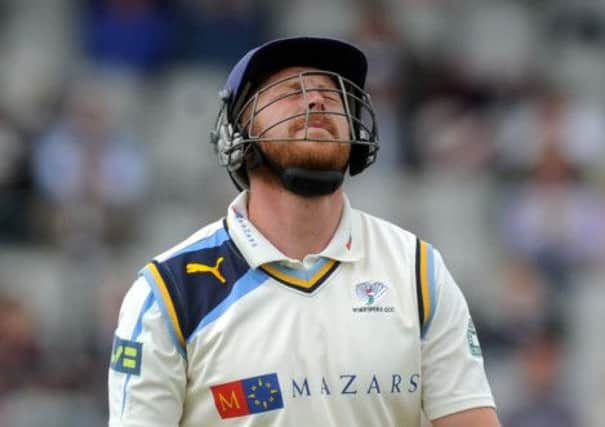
378	231
211	235
190	279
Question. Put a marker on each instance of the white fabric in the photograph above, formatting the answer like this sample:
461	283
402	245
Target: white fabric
338	363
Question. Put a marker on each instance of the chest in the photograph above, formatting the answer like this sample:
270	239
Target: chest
353	338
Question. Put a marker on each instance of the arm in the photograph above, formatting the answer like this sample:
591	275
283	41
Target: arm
477	417
455	388
147	374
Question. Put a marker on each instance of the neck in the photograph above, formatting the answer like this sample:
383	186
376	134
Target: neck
295	225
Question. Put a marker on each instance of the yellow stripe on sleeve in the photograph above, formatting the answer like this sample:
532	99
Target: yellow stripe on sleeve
168	302
424	281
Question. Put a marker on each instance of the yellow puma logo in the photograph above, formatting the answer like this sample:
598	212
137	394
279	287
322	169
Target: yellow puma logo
194	267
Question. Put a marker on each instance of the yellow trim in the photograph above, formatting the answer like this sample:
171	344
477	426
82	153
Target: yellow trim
130	351
117	354
293	280
168	301
424	280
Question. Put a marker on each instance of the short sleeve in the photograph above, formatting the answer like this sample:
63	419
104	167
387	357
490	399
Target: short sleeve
452	365
147	374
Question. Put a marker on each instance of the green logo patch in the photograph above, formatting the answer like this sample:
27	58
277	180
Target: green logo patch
126	356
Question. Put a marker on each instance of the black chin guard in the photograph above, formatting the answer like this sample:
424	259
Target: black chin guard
311	183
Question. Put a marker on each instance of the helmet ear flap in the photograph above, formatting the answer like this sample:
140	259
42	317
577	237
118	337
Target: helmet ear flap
230	148
362	156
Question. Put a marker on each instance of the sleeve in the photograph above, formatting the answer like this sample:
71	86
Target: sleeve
147	373
453	374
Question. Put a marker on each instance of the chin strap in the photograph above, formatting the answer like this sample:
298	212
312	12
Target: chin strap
301	181
310	183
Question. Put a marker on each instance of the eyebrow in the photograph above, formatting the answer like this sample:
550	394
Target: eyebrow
295	84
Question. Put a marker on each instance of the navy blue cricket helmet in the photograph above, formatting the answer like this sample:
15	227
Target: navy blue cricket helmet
341	61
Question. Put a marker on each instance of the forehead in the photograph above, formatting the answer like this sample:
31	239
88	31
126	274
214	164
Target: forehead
316	79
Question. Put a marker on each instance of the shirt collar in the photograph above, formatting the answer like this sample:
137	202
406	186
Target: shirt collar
346	244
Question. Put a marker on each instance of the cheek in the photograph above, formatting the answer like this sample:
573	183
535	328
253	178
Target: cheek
267	118
343	127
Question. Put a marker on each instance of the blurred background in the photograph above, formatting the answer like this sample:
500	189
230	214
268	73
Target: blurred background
492	122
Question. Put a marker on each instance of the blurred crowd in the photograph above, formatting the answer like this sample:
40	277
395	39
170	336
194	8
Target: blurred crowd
492	127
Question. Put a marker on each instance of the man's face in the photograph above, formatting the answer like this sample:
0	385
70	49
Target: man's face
287	99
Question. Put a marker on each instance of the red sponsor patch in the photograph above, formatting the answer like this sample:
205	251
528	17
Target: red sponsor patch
230	399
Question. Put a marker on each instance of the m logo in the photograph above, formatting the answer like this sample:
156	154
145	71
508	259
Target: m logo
195	267
248	396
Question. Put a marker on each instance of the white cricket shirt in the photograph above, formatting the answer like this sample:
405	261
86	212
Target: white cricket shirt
224	330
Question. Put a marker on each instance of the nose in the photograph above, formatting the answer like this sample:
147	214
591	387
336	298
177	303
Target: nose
316	100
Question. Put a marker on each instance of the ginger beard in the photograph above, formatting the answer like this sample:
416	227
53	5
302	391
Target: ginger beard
308	154
321	124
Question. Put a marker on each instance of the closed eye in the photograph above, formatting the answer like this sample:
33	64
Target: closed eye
331	96
294	89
